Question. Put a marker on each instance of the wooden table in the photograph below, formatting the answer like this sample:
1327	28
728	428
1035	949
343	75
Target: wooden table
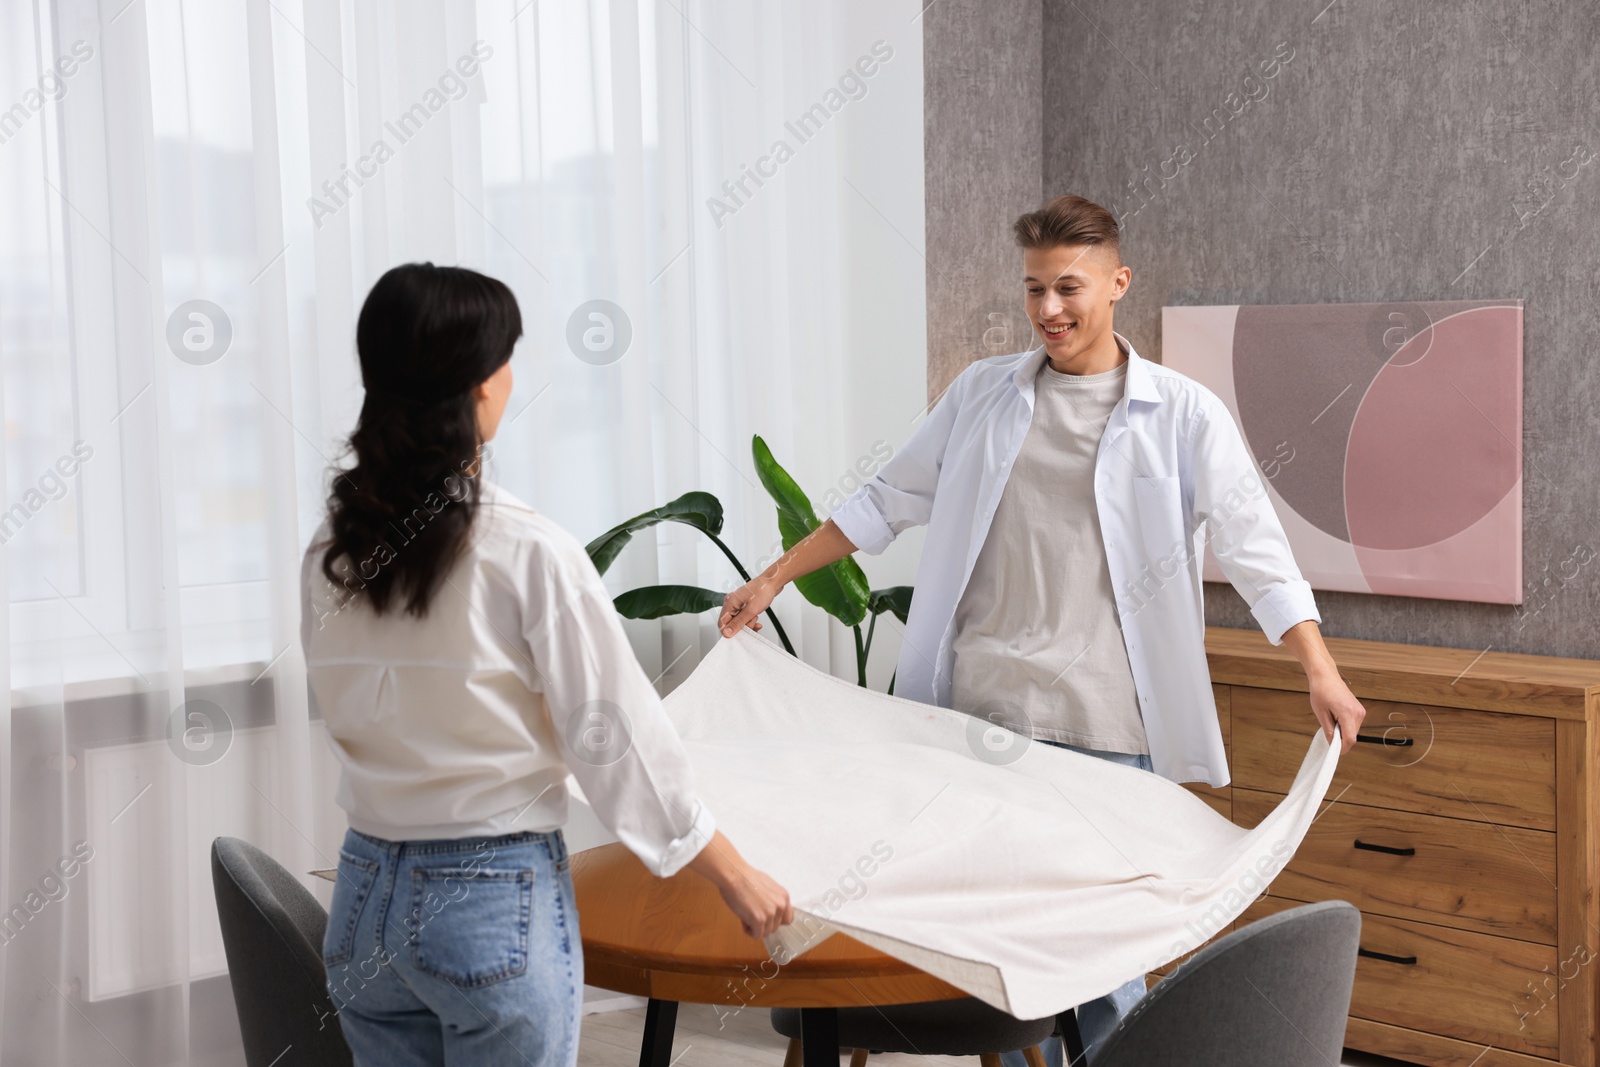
674	940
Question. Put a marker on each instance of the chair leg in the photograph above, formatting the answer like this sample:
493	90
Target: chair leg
819	1037
791	1058
858	1058
1034	1056
989	1059
1071	1038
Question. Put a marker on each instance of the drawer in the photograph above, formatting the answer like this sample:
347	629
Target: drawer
1479	765
1450	982
1469	875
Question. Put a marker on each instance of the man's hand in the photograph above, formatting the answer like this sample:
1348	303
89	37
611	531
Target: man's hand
743	606
1332	702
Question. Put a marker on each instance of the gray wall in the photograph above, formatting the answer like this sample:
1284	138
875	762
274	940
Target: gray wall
1404	152
984	152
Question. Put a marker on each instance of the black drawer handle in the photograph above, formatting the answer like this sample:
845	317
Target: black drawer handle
1405	961
1388	849
1404	742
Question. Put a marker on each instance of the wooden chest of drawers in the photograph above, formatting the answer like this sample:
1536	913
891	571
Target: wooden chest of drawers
1464	826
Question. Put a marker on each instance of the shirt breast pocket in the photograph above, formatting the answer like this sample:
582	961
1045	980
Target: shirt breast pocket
1163	528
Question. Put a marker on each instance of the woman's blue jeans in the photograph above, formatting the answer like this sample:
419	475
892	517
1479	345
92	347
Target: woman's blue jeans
1097	1018
456	951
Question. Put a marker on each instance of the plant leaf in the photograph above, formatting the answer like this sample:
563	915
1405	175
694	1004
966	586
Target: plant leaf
700	510
840	588
659	601
896	599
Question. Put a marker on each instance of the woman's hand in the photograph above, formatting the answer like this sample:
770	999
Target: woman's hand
743	606
761	904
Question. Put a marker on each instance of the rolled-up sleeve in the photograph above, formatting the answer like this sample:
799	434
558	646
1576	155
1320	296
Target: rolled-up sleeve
1242	527
900	495
607	718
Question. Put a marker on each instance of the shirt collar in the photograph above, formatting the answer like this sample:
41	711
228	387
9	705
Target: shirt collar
1141	386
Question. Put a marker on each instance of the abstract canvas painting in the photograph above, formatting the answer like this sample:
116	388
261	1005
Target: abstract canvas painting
1389	436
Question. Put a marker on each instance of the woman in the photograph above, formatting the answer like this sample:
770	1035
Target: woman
465	658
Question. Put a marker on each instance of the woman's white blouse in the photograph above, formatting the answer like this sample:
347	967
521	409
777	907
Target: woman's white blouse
465	723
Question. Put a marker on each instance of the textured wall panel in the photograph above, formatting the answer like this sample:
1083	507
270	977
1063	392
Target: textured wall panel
984	148
1397	152
1402	152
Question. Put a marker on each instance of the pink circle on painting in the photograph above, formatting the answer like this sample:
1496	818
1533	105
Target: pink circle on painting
1434	446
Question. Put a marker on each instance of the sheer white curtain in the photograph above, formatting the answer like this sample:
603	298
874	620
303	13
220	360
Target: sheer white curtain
196	196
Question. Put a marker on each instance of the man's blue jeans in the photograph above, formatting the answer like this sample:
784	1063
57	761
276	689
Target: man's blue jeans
455	952
1097	1018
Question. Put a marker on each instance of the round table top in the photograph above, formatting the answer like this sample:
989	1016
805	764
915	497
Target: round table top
674	939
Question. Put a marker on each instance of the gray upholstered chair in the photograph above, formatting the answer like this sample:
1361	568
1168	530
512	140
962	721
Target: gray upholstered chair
965	1027
1275	993
272	930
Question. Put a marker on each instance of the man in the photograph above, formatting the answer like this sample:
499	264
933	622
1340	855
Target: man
1067	492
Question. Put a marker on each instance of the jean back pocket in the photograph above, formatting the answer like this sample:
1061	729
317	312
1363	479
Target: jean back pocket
355	879
470	928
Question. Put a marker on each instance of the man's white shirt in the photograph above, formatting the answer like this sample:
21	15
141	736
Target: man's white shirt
1172	473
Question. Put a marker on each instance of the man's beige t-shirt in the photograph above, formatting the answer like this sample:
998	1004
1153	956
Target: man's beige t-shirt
1036	630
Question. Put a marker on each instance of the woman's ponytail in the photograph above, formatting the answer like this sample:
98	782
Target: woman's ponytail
400	515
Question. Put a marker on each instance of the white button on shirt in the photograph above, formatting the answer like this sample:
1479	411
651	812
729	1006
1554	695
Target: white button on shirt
1172	472
466	723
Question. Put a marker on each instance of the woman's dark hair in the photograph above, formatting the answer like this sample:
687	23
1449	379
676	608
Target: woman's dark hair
400	516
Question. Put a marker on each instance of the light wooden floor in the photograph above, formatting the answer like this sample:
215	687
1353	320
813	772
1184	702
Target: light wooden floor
744	1038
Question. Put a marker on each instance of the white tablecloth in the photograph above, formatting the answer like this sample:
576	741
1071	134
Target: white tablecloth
1034	884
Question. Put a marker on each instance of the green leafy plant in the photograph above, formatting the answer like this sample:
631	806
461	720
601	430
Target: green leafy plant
840	588
699	510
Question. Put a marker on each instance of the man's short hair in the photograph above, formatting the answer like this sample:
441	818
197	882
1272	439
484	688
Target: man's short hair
1069	220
